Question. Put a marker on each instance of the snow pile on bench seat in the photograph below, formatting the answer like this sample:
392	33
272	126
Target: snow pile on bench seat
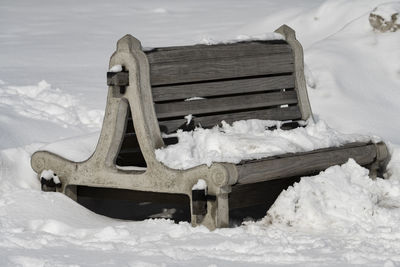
248	139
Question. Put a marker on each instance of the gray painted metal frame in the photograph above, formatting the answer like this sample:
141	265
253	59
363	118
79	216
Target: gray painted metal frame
100	169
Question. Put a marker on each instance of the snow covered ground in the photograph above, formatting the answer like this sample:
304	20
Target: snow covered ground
339	217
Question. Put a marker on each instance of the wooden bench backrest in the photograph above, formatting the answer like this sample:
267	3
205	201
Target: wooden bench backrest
246	80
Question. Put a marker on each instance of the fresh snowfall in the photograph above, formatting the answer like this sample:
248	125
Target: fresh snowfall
53	59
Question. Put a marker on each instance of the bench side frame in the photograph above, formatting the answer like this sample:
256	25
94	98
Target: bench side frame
300	82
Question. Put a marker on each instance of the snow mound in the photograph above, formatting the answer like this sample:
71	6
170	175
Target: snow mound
342	198
46	114
248	139
15	170
77	149
43	102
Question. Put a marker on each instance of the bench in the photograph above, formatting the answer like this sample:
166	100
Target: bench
146	98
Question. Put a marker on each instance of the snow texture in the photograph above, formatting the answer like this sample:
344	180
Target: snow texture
387	10
337	218
49	112
115	68
248	139
200	185
269	36
194	98
339	199
188	118
48	175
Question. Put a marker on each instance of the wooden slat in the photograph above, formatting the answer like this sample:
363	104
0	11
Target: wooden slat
202	52
289	113
230	87
204	106
304	163
216	69
264	193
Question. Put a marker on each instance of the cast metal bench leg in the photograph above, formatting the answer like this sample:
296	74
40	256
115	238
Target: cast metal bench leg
378	167
217	213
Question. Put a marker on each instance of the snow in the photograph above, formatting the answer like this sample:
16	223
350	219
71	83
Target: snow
269	36
115	68
337	218
160	10
194	98
62	233
188	118
246	140
48	111
387	10
200	185
340	199
50	175
79	148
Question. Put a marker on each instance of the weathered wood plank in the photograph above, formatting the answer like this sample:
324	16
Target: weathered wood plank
216	69
204	106
230	87
205	52
304	163
289	113
265	193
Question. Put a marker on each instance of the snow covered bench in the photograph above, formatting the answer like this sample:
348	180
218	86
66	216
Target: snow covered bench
148	97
